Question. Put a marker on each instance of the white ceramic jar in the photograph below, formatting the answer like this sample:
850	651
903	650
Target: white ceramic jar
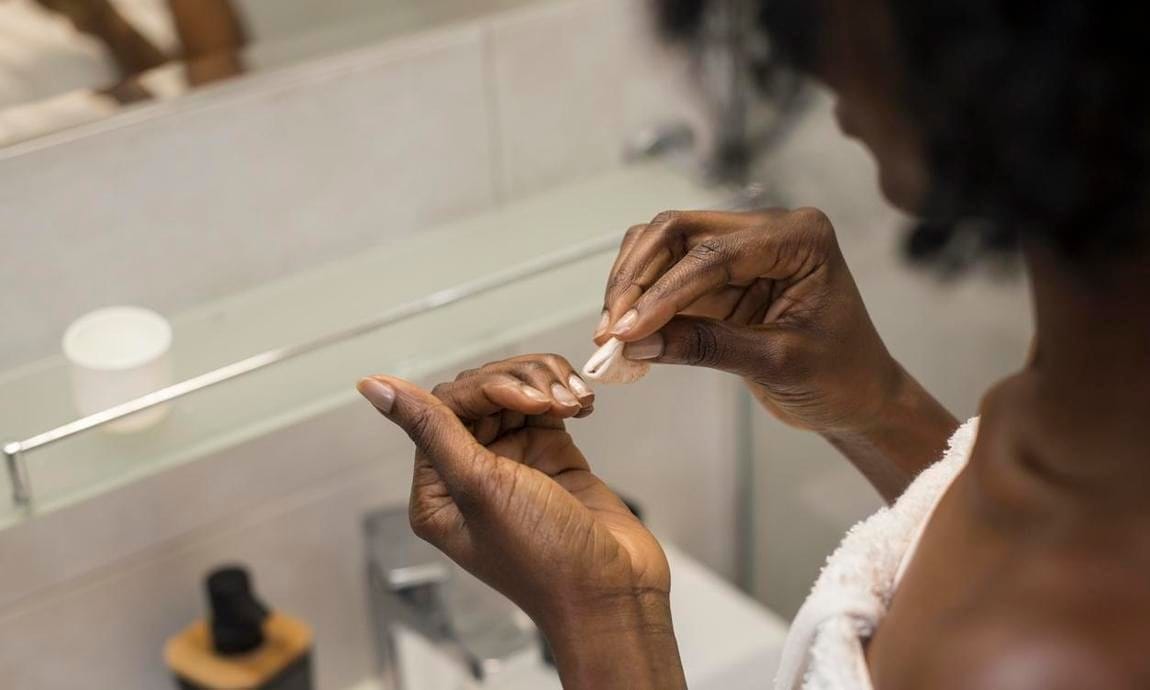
119	354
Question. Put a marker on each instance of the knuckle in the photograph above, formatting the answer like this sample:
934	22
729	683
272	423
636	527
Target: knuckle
702	346
441	390
614	281
813	220
663	219
633	231
708	251
555	360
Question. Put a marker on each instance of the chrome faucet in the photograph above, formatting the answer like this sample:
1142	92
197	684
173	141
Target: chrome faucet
414	588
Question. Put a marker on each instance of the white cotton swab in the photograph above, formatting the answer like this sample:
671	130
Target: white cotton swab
608	365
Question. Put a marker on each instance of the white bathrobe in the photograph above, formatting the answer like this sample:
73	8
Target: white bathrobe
824	648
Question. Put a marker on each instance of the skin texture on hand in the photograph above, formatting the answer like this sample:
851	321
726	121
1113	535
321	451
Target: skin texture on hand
768	296
500	487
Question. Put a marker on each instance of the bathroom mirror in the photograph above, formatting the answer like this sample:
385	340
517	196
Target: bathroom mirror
68	62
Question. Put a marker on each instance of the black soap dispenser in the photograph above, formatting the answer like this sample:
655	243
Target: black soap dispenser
243	645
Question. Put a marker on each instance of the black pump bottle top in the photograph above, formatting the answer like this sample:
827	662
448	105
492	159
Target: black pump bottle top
237	616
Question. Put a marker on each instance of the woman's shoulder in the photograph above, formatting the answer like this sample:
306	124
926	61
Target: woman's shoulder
1066	620
1028	647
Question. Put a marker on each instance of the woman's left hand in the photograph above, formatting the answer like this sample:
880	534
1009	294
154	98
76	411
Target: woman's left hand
501	488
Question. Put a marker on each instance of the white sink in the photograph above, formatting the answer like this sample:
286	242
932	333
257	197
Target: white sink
727	642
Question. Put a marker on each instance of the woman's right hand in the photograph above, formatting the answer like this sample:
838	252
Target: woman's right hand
768	296
765	295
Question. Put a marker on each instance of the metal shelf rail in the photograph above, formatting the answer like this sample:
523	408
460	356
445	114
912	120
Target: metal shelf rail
15	453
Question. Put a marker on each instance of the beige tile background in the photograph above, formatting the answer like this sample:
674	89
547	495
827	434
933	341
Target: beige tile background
286	170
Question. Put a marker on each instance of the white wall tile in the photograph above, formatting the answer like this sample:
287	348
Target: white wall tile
234	186
305	552
115	526
290	506
240	189
555	70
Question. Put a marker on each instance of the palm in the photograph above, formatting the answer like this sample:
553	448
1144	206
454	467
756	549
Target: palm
551	503
562	474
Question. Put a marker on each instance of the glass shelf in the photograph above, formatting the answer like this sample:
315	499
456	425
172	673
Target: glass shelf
572	233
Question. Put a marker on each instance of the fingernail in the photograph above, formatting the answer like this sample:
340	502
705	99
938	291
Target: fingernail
650	347
626	323
603	324
578	387
563	396
535	394
377	393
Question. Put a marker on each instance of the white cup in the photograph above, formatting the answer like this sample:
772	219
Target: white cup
119	354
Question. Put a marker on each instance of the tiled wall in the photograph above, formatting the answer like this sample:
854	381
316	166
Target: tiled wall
284	170
89	593
234	186
182	202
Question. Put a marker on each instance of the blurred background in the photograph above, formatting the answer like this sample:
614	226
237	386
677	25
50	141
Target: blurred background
271	174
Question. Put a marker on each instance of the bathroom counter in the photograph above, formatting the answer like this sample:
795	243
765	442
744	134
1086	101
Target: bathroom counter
332	297
727	640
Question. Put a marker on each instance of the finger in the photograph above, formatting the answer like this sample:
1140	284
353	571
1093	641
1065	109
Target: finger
550	374
650	253
437	432
673	243
566	376
785	246
655	250
487	429
713	344
753	303
704	270
511	421
720	304
549	450
482	395
539	375
629	239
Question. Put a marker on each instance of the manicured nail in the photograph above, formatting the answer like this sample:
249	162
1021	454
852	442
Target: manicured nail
650	347
603	324
535	394
578	387
563	396
626	323
377	393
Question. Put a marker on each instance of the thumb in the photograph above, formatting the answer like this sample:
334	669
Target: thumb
707	343
432	426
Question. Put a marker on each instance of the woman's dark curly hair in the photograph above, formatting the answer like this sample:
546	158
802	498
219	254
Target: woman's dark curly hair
1036	113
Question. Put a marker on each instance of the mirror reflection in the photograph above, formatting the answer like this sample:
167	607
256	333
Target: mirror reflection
68	62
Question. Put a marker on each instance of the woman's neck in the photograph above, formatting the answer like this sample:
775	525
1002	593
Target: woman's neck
1087	388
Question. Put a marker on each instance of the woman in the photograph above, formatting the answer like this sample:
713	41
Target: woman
1018	563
